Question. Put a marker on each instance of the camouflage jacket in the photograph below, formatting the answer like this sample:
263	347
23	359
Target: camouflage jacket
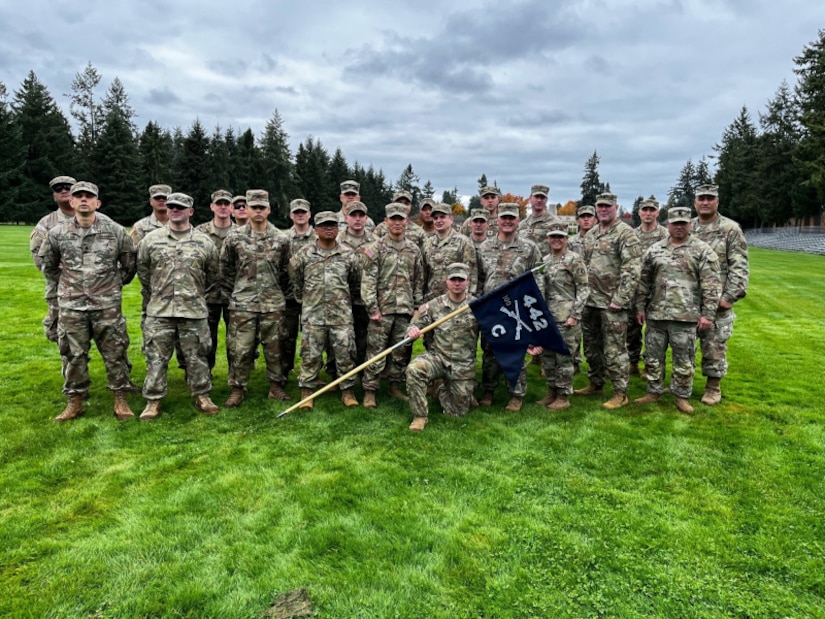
342	223
357	244
492	229
646	239
454	342
502	261
217	294
412	232
679	282
177	273
725	237
88	267
438	254
576	244
535	229
393	277
564	285
296	242
144	226
612	258
325	281
252	268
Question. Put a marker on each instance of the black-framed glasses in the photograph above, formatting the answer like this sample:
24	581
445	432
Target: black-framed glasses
176	207
240	205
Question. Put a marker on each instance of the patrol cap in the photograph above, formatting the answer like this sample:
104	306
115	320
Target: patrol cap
257	197
396	209
607	198
159	190
586	209
180	198
707	190
237	199
479	213
61	180
443	208
83	186
539	190
487	189
401	194
678	214
221	194
426	202
557	229
325	217
508	208
458	269
355	206
298	204
350	187
649	203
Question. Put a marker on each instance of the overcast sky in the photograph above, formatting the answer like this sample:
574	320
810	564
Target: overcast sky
521	91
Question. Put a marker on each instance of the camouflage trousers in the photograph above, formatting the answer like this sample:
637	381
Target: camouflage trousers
634	339
558	369
160	337
360	325
289	336
314	339
76	330
454	395
50	320
381	335
246	331
216	310
491	373
681	336
605	347
714	343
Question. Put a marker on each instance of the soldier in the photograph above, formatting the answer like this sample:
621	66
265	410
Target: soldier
299	235
253	263
425	216
540	219
502	258
611	254
566	289
240	210
490	198
391	287
325	276
648	233
725	237
442	249
586	218
452	352
356	238
350	193
157	218
87	260
175	264
412	232
217	301
478	226
678	292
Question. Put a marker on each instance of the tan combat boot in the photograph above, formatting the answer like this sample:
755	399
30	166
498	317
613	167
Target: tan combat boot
618	400
713	392
151	410
418	424
549	398
648	398
369	399
559	404
276	392
486	399
74	408
348	398
205	404
514	405
235	398
305	393
684	406
591	389
122	410
395	392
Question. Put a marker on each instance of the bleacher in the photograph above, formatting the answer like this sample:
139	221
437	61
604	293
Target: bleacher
808	240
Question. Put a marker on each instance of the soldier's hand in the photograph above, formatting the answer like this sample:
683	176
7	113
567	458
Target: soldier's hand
724	304
534	350
571	322
413	333
640	318
614	308
376	317
704	324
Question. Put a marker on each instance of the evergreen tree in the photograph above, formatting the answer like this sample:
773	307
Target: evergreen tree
277	166
195	179
702	175
11	163
89	114
450	196
231	143
338	171
683	192
117	159
219	164
249	166
810	155
637	221
116	100
427	190
312	178
736	175
177	158
591	185
156	157
408	181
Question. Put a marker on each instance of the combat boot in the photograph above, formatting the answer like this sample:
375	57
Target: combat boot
591	389
74	408
205	404
618	400
133	388
713	392
418	424
549	398
235	398
122	410
486	399
643	373
648	398
369	399
276	392
559	404
348	398
151	410
634	369
305	393
514	405
684	406
395	392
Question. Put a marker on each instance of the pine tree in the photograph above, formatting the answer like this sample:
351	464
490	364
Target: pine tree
117	158
249	166
450	196
312	178
591	185
408	181
810	156
683	192
219	164
276	161
156	157
11	163
89	114
736	175
195	179
637	221
427	190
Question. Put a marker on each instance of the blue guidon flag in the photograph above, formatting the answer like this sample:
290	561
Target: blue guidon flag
513	317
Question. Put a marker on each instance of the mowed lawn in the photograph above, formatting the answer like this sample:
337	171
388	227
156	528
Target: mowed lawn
640	512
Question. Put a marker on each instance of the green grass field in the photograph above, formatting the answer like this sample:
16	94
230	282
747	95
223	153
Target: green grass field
641	512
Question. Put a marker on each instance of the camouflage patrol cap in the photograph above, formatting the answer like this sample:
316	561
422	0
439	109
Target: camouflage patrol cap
539	190
707	190
586	209
159	190
298	204
237	199
479	213
180	198
350	208
649	203
443	208
607	198
508	208
426	202
487	189
350	187
557	229
396	209
325	217
84	186
678	214
257	197
61	180
401	194
458	269
221	194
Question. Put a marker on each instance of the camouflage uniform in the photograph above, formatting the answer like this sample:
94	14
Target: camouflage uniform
438	254
413	233
325	282
634	329
252	267
678	285
360	318
217	302
535	228
492	230
725	237
175	270
87	268
392	284
612	259
292	310
144	226
500	262
342	223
